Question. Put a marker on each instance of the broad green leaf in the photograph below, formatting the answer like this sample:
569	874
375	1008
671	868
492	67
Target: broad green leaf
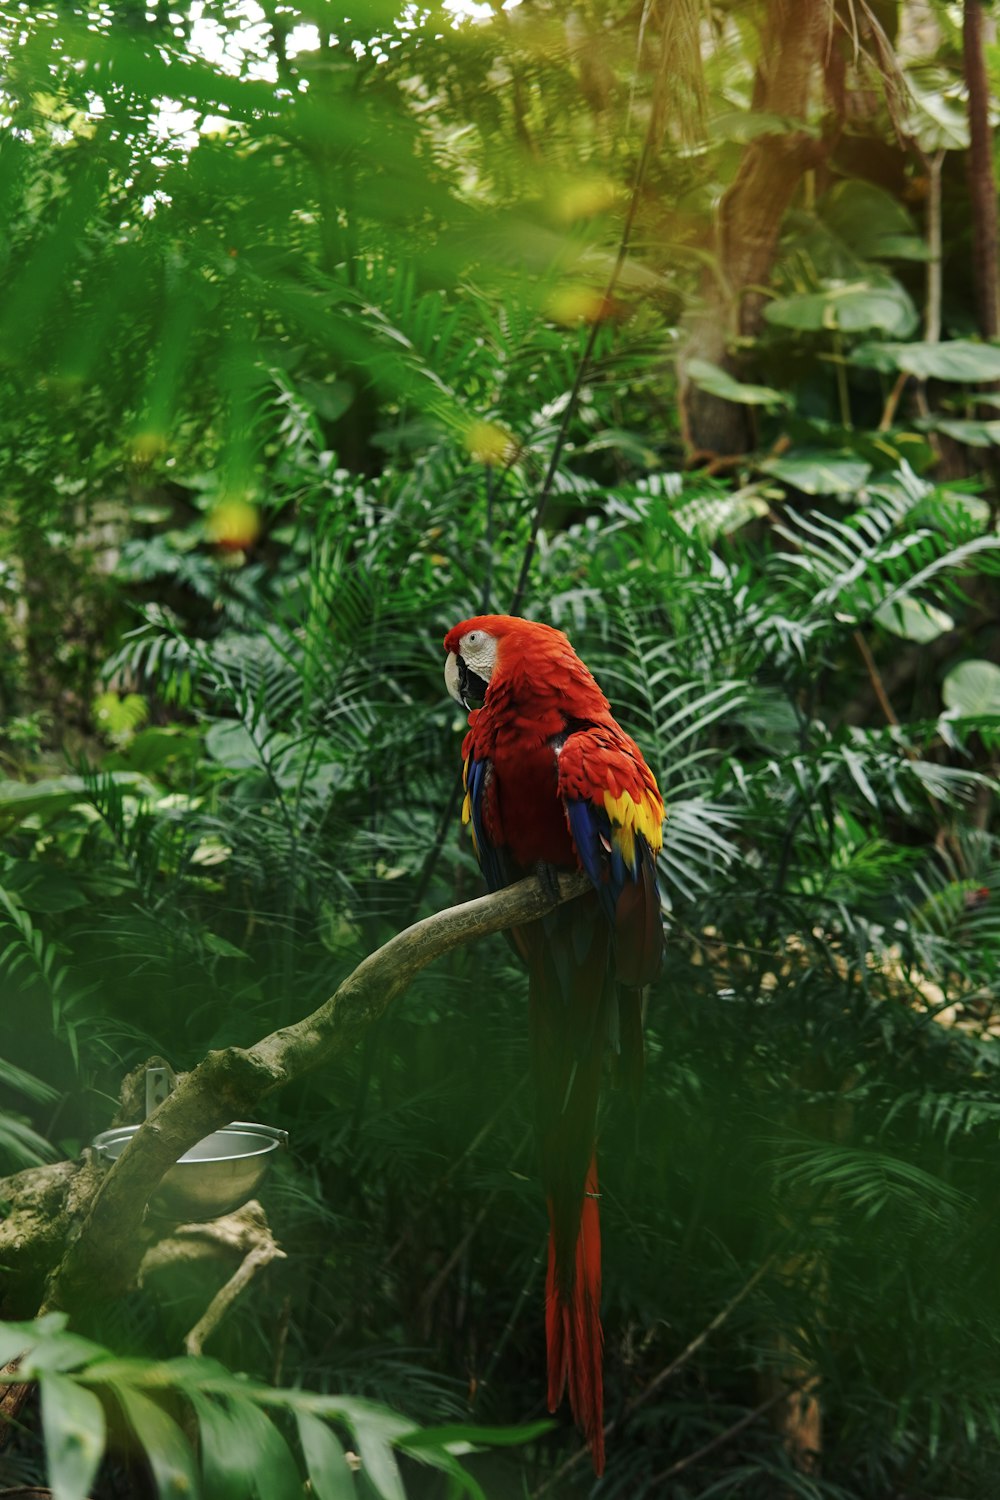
938	120
446	1460
976	434
222	946
23	799
852	307
58	1350
153	749
230	1450
232	745
817	472
329	1472
167	1451
972	689
192	1371
329	400
899	247
375	1434
959	359
743	125
914	620
276	1474
718	382
461	1434
73	1424
41	886
871	221
15	1338
48	798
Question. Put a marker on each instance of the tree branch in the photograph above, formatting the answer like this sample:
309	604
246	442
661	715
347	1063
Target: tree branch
103	1258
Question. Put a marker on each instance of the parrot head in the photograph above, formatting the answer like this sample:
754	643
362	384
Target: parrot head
488	647
482	649
472	655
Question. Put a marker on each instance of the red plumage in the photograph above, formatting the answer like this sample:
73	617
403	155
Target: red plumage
552	780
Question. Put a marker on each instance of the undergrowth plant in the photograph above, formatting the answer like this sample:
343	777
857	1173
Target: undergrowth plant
820	1087
389	335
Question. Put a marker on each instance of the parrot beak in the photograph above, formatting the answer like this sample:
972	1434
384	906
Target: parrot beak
451	677
464	686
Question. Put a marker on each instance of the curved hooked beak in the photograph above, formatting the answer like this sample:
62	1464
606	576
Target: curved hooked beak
464	686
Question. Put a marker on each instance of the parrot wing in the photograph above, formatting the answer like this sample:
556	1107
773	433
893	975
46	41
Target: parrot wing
615	816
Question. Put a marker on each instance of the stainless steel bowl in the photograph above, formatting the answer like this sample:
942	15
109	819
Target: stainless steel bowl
220	1173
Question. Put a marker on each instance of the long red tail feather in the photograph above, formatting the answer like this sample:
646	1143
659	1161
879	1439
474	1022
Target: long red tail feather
574	1338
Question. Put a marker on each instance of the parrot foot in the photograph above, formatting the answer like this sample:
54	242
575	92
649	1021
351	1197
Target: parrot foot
548	879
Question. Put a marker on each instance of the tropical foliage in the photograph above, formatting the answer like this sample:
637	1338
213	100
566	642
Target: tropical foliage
318	336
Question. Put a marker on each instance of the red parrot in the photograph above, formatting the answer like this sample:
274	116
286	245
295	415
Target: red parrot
552	783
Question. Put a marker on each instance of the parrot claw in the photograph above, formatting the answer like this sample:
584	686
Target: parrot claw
548	879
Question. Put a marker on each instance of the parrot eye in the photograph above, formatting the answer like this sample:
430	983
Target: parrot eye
473	638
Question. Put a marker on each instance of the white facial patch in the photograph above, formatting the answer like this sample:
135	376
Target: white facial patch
479	652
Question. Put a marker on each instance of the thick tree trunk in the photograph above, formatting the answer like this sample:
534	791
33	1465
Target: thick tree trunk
982	186
983	203
793	35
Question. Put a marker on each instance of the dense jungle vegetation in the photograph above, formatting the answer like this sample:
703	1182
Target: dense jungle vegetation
674	325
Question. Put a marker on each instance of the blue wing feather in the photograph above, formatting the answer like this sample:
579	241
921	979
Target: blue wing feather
591	830
489	860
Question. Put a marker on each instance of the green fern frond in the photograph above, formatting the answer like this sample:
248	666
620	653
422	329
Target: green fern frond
867	1181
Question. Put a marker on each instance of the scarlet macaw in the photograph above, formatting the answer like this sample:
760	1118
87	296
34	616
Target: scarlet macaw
552	783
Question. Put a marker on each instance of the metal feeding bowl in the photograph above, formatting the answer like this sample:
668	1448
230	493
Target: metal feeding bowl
220	1173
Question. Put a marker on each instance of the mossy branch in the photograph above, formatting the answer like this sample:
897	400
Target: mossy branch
103	1255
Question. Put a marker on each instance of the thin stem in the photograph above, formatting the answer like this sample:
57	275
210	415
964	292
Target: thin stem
875	678
892	401
508	1328
932	312
843	393
446	1177
665	1374
433	1289
723	1437
885	704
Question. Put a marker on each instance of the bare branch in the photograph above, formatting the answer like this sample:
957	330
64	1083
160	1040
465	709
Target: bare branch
247	1230
722	1438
